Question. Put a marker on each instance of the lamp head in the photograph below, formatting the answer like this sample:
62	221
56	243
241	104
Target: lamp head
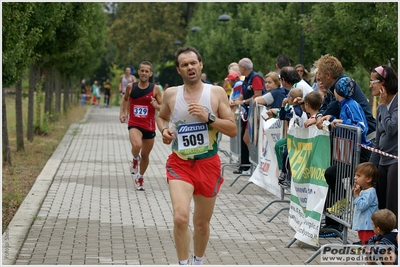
224	17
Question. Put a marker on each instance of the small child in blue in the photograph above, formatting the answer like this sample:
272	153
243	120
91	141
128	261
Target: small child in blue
351	113
365	200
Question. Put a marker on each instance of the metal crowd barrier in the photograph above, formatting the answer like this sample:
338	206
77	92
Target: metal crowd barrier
345	154
254	158
280	200
223	150
251	165
234	144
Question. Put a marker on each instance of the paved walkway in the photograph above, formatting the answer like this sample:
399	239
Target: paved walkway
84	209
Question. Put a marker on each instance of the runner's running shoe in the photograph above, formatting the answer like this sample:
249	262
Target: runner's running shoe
139	184
134	166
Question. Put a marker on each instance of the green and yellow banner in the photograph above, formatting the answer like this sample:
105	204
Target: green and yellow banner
309	156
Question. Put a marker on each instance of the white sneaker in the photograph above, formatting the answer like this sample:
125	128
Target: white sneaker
134	166
196	261
139	184
248	172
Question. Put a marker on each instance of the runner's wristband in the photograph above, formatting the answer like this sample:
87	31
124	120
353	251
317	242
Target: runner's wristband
162	131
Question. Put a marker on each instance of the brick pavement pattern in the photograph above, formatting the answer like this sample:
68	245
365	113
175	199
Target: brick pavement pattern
92	214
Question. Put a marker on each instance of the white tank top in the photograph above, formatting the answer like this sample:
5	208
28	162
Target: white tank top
194	138
125	82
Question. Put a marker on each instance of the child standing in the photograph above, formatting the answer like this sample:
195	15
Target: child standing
94	88
98	96
365	200
384	223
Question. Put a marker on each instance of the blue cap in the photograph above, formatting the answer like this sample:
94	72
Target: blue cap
345	87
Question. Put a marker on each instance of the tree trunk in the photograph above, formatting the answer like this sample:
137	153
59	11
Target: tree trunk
49	88
46	90
57	88
33	81
66	95
38	104
52	117
70	93
6	143
18	116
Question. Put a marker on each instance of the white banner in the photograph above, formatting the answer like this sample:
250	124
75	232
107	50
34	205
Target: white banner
267	171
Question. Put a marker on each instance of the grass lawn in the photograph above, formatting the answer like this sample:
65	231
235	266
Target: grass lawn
18	179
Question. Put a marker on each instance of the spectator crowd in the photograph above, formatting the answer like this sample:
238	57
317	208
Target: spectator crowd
327	96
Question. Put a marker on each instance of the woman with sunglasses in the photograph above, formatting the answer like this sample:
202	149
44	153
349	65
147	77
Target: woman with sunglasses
384	83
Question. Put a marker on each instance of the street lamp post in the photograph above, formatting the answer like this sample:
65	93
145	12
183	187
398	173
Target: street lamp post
224	18
301	37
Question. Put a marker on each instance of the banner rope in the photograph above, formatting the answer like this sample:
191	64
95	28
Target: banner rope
378	151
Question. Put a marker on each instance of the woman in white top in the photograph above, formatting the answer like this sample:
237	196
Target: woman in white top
126	79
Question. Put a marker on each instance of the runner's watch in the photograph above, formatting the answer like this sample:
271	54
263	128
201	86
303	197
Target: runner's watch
211	118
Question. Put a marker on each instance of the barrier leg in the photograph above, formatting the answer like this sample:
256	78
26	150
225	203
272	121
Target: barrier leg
290	243
281	200
227	164
240	191
231	159
272	202
240	175
242	165
225	153
313	256
276	213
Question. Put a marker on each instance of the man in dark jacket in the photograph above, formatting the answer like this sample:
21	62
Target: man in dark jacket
330	71
253	86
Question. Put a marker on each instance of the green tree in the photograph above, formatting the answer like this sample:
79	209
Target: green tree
86	33
168	74
72	46
216	41
354	34
259	31
146	31
47	18
18	40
